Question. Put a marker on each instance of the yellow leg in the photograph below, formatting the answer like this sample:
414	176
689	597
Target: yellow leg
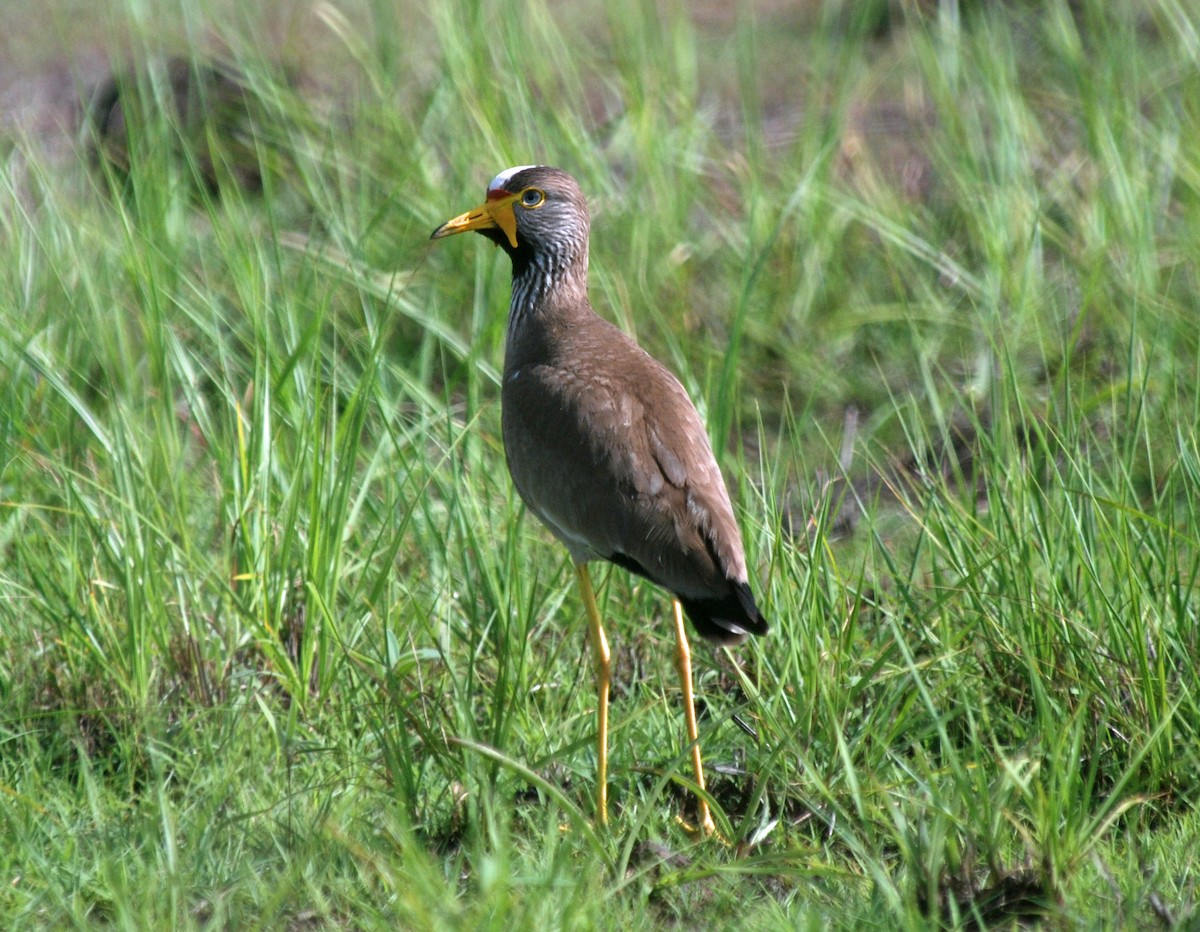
602	660
684	658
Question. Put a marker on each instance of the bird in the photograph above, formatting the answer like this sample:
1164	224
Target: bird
603	443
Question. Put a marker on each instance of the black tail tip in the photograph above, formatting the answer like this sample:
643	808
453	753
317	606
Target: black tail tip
729	620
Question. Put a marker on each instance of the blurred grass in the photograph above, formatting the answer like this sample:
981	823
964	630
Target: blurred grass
281	649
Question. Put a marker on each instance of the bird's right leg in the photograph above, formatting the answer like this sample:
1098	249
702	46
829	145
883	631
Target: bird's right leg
683	660
602	661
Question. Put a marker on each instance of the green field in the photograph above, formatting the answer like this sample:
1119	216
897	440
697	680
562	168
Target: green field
280	648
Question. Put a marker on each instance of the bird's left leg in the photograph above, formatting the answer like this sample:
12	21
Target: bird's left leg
602	660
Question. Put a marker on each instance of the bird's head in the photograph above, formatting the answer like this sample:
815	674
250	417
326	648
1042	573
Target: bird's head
530	210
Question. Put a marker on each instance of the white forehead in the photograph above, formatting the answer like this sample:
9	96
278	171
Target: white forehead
500	182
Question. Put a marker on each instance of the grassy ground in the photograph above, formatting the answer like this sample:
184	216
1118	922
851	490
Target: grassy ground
281	649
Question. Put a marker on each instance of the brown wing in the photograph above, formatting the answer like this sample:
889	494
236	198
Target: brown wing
607	449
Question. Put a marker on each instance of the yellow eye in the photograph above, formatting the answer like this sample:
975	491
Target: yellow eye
532	197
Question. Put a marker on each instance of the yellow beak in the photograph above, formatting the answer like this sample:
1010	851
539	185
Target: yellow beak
492	214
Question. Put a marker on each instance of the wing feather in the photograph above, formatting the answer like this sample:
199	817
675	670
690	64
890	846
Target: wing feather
617	477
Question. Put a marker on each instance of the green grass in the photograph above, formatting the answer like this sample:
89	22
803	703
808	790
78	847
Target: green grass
281	648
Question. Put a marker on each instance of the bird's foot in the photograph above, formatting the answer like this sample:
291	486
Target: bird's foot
706	829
